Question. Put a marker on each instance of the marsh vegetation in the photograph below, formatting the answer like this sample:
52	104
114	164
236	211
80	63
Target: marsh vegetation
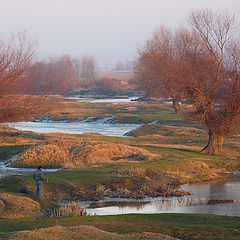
194	141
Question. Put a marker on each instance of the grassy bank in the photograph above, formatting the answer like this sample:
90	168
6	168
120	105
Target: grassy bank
174	146
170	156
182	226
171	166
132	112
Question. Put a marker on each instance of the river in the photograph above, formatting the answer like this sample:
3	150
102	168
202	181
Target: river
205	199
103	100
100	126
76	127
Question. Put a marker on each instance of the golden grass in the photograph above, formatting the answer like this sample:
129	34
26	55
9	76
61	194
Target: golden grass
11	136
148	174
175	146
78	154
197	169
80	232
15	206
69	210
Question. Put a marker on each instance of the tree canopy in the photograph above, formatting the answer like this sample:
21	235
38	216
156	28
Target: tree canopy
201	62
16	57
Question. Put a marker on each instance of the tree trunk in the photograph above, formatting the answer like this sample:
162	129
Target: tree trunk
176	105
215	144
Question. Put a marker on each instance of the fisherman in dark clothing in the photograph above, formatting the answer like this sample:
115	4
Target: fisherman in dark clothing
39	178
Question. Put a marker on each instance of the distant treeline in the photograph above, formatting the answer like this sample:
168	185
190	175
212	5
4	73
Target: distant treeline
58	75
67	75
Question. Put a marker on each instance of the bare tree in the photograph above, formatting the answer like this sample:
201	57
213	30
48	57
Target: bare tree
220	110
88	70
204	60
62	74
16	55
56	76
16	107
120	66
59	75
127	65
154	70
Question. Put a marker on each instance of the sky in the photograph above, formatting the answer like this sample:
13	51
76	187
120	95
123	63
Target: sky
109	30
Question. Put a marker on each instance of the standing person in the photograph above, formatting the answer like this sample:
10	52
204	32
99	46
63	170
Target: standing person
39	178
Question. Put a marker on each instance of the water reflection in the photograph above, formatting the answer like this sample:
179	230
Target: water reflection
222	190
171	204
207	198
103	100
153	206
121	204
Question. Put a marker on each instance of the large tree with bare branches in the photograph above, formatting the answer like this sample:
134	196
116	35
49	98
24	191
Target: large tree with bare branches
16	56
203	61
153	69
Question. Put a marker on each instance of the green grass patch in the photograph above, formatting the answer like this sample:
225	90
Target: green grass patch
10	150
183	226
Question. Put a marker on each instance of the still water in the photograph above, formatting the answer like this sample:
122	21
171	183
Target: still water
75	127
203	200
103	100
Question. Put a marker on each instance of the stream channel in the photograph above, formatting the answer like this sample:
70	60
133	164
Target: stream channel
86	126
219	197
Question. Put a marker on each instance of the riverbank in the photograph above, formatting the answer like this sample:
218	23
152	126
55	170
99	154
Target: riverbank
122	112
174	161
144	226
171	157
173	141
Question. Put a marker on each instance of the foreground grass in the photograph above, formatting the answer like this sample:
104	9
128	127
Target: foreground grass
182	226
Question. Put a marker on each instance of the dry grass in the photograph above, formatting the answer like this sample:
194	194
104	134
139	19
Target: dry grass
10	136
15	206
198	169
70	210
78	154
156	183
148	174
80	232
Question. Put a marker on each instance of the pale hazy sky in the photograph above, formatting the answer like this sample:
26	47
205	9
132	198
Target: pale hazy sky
107	29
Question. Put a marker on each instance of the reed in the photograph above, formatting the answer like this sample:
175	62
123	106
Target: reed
69	210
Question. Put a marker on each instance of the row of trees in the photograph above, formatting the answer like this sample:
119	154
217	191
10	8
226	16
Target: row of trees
125	65
16	55
59	75
25	84
200	62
